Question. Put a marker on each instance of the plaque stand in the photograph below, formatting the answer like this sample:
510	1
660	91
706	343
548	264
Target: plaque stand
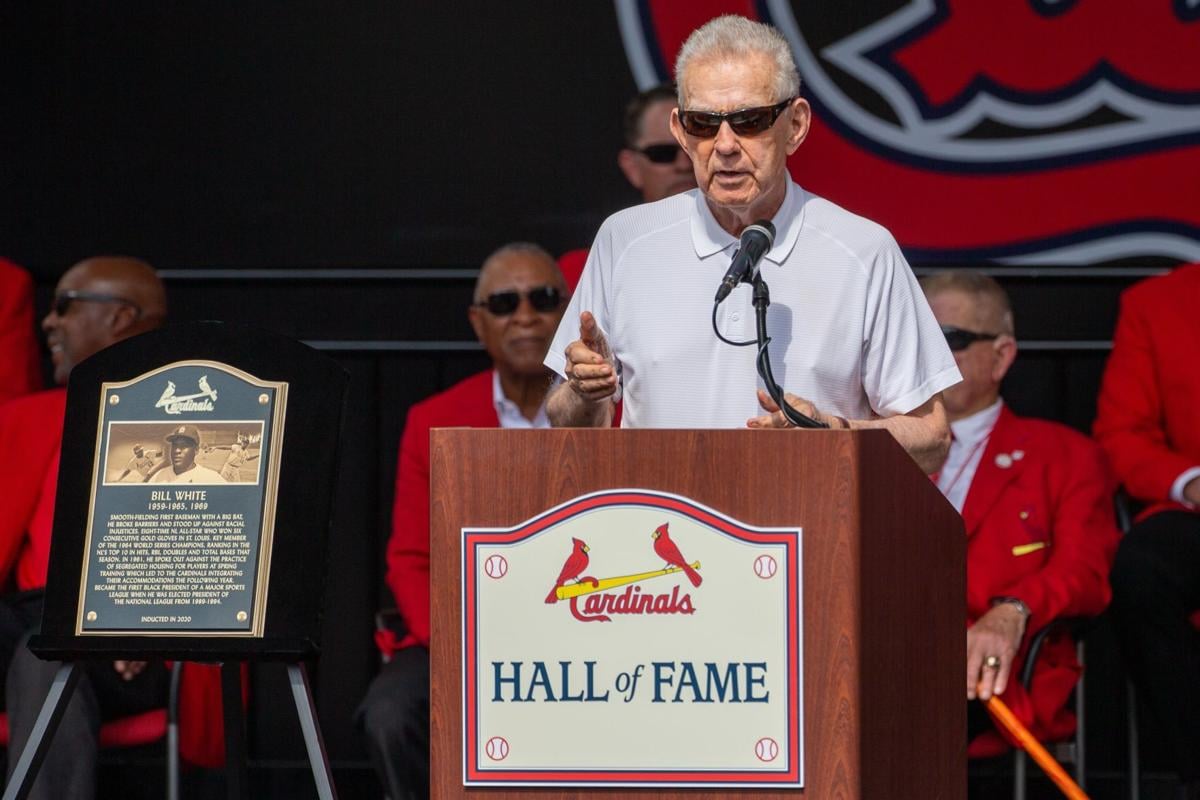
224	388
64	685
53	708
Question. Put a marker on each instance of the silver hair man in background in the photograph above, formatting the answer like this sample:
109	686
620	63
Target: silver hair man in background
853	339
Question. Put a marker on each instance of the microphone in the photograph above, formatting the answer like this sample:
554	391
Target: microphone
756	241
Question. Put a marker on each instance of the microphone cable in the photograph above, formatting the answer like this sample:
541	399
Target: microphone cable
762	361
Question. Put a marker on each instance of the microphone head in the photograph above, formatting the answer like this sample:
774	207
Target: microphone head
762	227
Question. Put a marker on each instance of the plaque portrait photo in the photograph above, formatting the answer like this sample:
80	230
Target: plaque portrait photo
204	453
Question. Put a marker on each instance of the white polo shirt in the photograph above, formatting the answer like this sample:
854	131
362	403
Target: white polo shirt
850	329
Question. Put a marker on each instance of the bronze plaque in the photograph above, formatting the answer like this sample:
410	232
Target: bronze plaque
182	509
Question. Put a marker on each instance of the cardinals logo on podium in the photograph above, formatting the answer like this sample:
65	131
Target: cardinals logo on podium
599	602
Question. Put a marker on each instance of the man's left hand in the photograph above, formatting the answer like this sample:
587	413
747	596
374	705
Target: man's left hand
997	634
774	417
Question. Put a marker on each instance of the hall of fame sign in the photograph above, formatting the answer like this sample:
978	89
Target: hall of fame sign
182	509
632	638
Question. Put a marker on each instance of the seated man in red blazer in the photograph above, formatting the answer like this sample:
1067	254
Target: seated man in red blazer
1148	421
1036	500
519	299
19	368
98	302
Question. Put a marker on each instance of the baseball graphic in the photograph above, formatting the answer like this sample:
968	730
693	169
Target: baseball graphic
497	748
496	567
765	749
764	567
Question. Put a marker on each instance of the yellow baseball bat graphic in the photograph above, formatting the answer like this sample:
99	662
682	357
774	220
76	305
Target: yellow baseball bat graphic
580	589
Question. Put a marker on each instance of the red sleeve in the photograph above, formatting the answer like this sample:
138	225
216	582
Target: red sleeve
571	264
19	370
30	432
1130	410
34	563
408	546
1074	579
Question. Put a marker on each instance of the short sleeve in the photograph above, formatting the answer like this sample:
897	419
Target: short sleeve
906	358
591	294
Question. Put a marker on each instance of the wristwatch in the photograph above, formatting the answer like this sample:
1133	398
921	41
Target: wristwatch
1015	601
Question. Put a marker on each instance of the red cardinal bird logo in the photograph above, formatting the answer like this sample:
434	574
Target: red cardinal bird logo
668	551
575	564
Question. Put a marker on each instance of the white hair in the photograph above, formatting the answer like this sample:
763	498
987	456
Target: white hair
511	249
731	36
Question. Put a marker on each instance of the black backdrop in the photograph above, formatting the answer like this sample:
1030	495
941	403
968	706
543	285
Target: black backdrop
306	134
336	174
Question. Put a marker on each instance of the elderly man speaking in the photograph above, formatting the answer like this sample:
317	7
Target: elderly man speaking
853	342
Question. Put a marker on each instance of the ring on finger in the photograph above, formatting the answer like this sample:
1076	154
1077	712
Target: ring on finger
992	662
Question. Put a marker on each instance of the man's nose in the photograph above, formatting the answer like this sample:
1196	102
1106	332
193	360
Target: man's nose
525	313
727	142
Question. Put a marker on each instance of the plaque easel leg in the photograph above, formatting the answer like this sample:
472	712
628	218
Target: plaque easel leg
298	678
236	776
43	732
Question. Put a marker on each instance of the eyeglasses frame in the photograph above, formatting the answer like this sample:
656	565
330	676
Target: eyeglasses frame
61	303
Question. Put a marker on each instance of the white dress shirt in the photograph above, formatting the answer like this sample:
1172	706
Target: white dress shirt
966	450
510	413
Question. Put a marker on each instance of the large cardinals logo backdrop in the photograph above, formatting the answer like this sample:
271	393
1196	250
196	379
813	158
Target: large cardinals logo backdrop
1023	131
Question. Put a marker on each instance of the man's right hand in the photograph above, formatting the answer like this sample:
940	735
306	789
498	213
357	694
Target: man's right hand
591	371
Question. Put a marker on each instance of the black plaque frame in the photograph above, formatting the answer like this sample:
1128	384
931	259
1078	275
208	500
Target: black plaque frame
307	470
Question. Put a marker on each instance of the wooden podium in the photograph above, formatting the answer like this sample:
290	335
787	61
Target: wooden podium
883	586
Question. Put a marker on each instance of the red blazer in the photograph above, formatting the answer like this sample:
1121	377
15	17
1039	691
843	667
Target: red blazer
466	404
30	440
1146	418
20	372
1041	529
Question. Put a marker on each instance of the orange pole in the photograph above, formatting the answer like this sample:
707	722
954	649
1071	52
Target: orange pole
1031	745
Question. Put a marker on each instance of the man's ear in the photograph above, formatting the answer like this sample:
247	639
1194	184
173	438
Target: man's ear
473	316
124	320
1005	350
801	120
678	132
627	161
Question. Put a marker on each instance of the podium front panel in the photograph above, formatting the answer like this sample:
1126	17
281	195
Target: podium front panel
866	520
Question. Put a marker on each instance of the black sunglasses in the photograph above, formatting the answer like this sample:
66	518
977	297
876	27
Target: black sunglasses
745	121
63	300
542	298
958	339
659	153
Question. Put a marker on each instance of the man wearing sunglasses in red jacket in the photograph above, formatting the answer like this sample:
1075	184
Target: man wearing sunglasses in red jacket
518	302
1036	502
98	302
